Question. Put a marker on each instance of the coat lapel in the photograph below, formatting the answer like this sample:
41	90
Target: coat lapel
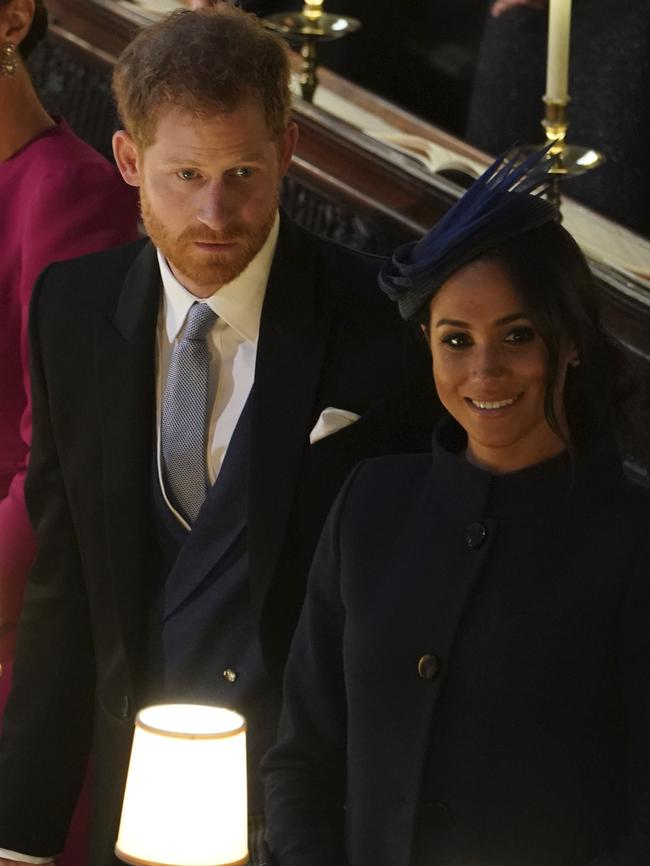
292	343
125	347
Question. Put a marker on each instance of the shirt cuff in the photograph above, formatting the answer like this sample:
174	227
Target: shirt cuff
24	858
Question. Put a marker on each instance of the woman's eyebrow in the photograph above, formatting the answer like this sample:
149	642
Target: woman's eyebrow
455	323
505	320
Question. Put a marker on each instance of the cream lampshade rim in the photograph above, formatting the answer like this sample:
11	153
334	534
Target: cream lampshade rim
136	861
216	735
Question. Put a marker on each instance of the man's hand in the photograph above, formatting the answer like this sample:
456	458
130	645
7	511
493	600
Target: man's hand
501	6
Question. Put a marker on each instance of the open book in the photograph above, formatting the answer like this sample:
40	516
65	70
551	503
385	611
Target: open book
433	156
158	7
601	239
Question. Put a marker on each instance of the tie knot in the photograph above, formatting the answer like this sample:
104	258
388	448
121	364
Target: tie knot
200	319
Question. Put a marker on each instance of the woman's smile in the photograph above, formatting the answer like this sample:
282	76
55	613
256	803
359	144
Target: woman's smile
492	405
491	369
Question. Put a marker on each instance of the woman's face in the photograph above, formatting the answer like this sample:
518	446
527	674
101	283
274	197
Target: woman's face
491	369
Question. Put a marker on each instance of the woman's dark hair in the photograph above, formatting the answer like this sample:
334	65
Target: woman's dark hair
37	30
552	277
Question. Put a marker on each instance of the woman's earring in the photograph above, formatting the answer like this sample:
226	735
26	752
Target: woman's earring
8	59
574	362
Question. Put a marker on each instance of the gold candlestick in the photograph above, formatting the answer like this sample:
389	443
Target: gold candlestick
309	28
571	160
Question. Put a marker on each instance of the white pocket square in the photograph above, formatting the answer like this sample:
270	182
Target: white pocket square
331	421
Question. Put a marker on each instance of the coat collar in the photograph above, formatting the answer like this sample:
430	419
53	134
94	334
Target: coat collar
138	302
511	493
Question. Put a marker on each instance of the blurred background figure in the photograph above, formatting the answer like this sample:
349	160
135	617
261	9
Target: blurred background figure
60	199
609	85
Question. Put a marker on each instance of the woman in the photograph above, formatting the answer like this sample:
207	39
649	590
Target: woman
469	684
60	199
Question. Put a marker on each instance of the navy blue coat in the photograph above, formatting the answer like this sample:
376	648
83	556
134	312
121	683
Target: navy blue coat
470	677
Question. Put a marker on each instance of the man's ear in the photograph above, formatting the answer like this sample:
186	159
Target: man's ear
16	20
287	146
127	157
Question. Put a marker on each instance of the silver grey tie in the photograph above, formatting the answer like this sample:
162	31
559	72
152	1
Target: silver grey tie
184	422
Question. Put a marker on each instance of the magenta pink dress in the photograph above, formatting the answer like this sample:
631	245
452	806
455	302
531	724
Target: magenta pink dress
59	199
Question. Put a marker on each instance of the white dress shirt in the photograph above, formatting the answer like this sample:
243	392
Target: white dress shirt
232	342
233	348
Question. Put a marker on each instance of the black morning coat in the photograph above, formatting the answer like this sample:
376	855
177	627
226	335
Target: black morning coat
470	676
328	337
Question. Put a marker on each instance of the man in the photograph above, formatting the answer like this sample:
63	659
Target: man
189	397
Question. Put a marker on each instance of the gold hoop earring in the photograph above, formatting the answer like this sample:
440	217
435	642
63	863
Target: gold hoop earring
8	59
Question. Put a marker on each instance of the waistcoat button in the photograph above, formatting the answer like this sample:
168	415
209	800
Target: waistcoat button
429	667
475	535
230	675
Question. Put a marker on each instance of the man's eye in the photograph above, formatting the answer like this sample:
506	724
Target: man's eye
242	171
188	174
457	341
521	335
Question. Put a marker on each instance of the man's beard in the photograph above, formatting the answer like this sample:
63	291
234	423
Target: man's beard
206	269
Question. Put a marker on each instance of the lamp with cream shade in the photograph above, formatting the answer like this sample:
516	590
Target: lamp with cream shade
185	798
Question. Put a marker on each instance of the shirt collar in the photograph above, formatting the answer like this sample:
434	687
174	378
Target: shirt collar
238	303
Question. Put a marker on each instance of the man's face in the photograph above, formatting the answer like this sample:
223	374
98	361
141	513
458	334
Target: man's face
209	190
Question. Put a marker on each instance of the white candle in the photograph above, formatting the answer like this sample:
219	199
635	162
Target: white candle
557	64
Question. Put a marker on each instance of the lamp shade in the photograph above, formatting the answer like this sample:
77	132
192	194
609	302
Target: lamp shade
185	798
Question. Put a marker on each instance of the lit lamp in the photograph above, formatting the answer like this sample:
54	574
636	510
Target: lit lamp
570	159
185	799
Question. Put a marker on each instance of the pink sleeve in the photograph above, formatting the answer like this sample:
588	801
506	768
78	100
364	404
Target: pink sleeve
80	209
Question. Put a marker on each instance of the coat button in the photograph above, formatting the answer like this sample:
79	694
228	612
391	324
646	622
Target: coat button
230	675
475	535
429	667
125	709
437	814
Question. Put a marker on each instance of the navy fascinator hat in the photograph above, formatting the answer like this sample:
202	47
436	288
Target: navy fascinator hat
505	201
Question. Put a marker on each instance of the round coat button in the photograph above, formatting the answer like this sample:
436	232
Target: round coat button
230	675
475	535
429	667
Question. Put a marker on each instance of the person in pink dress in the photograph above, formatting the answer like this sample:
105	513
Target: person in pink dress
58	199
